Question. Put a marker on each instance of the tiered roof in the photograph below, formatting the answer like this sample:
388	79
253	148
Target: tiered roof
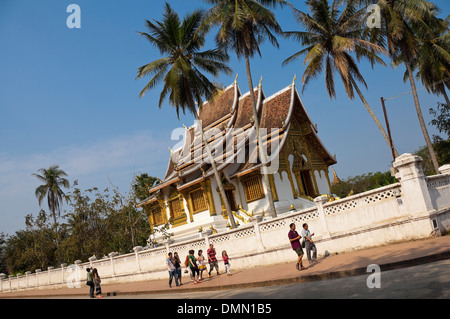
229	115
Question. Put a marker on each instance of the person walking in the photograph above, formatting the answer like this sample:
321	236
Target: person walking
90	282
193	266
178	266
188	268
201	263
170	262
226	261
212	260
309	244
97	281
294	239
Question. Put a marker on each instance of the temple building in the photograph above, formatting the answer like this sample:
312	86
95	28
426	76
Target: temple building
188	196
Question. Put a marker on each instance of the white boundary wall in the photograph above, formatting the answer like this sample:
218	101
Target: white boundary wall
416	207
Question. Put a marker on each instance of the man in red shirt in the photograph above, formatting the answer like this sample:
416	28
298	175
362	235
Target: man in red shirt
212	260
294	238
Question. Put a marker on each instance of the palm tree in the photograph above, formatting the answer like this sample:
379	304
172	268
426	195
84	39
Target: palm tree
330	38
54	180
141	184
432	63
399	19
179	69
244	25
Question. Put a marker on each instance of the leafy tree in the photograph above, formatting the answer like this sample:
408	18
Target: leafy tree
441	118
362	183
54	180
3	240
432	61
442	149
244	25
403	24
330	38
179	70
141	184
32	248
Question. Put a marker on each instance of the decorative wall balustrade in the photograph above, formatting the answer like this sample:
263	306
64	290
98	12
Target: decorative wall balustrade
363	220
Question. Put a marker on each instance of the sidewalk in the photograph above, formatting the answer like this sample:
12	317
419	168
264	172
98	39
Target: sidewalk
335	266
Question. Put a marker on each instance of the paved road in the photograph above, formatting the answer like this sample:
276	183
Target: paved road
425	281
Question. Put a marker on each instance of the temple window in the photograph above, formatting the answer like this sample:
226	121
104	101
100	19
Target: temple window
158	217
253	188
175	208
198	200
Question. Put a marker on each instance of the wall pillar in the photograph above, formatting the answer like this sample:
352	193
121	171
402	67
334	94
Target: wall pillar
37	276
414	186
111	257
445	169
320	201
27	273
415	194
49	270
62	272
260	246
136	250
2	276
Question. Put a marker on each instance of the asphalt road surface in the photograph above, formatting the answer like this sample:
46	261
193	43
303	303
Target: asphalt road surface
425	281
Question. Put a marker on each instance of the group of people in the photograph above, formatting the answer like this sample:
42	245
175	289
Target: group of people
195	265
306	243
93	281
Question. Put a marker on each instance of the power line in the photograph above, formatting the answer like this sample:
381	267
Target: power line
409	92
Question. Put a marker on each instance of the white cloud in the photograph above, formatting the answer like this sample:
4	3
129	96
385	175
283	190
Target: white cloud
92	164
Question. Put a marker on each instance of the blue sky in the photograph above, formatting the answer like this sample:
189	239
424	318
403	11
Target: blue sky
69	97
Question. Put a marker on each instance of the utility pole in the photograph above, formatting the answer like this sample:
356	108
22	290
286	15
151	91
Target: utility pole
388	129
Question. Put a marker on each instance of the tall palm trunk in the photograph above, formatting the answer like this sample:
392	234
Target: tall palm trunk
374	117
57	236
421	120
213	163
217	177
262	156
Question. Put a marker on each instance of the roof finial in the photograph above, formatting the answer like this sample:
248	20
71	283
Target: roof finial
185	127
293	81
235	79
336	179
260	80
170	150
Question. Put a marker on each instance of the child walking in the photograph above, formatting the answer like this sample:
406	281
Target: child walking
226	262
201	264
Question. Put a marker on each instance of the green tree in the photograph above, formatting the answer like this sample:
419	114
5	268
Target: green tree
432	61
442	149
88	235
141	185
441	118
362	183
3	240
180	70
403	24
54	180
244	25
330	38
32	248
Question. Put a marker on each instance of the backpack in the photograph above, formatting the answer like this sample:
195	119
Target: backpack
186	263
